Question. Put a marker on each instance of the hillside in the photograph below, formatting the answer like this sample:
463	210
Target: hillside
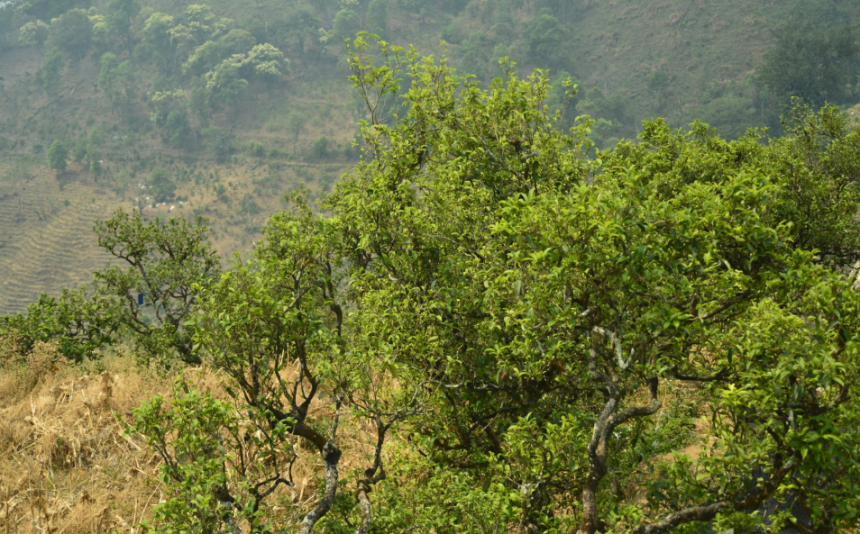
492	324
68	463
230	158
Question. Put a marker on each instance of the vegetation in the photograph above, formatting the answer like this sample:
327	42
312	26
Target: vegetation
532	335
162	262
58	154
812	63
521	308
146	296
186	88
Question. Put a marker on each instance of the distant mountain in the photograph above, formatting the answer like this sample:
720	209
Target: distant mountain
229	104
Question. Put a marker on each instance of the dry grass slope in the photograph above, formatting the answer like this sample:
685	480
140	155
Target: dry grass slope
67	465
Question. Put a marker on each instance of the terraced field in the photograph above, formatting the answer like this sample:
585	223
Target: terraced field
46	238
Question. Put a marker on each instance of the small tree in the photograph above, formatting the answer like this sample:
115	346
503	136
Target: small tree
218	142
210	53
282	311
163	261
545	38
49	73
377	17
72	33
79	151
117	79
225	86
94	144
319	150
158	42
660	84
169	114
161	184
76	320
346	22
58	155
263	62
107	74
216	492
33	33
120	16
296	121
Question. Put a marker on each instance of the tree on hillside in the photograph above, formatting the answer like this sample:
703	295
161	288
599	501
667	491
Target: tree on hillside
107	79
157	40
225	86
263	62
196	26
87	151
58	155
296	121
297	32
49	73
377	17
218	142
534	337
210	53
76	321
117	79
816	64
33	33
49	9
71	32
283	310
120	17
819	174
165	261
659	83
169	114
95	139
79	151
102	34
161	185
472	57
346	22
730	114
237	41
545	38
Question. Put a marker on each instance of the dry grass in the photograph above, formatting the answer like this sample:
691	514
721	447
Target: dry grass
68	467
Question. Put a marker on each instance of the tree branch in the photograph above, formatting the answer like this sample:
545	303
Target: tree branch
331	456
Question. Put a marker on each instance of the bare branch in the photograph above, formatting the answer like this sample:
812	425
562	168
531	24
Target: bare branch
616	343
698	513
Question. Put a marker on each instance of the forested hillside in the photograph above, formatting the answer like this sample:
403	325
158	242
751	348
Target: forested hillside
400	266
218	108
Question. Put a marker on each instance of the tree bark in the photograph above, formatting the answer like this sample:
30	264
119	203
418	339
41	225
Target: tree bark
709	511
364	505
331	456
606	423
699	513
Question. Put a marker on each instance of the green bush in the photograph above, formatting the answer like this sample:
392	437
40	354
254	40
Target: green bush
256	149
320	148
58	155
77	322
161	185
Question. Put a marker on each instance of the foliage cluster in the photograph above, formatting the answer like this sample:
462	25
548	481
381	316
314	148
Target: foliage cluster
816	63
146	295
